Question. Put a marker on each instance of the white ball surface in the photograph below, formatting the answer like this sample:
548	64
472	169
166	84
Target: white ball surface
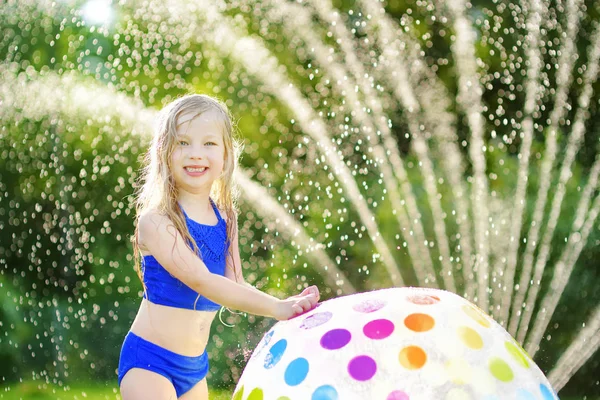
392	344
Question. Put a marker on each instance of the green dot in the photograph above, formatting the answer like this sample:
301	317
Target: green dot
283	398
255	394
517	353
239	394
500	370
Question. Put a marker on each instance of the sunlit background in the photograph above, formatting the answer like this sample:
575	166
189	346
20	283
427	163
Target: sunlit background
439	143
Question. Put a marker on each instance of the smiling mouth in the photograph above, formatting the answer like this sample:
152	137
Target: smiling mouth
195	169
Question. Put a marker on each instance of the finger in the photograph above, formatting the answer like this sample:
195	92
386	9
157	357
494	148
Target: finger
306	304
297	309
315	290
313	299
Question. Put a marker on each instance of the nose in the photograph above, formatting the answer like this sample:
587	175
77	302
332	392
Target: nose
196	153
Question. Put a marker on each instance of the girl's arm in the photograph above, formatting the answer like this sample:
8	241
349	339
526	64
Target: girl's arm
234	271
163	241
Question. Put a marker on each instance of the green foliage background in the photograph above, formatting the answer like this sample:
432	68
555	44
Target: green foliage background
69	292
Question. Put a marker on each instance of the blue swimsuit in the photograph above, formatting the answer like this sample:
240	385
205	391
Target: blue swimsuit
163	288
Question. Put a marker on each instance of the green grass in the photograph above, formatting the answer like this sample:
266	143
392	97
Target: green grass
89	391
95	391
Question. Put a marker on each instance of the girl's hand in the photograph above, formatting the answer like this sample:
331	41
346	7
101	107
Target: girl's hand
298	304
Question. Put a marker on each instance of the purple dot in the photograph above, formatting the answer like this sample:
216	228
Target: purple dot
379	329
335	339
316	319
369	306
398	395
362	368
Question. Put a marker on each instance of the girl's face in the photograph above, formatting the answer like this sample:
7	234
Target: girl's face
199	153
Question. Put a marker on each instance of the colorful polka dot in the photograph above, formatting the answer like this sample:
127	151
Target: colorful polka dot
335	339
397	395
470	337
312	321
500	369
275	353
378	329
547	393
256	394
296	372
477	315
412	357
362	368
325	392
423	299
369	306
517	353
419	322
239	395
263	343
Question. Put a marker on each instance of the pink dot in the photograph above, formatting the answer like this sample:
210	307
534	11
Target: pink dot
423	299
362	368
398	395
379	329
369	306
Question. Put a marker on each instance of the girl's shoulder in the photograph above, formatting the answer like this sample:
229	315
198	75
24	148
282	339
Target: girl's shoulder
150	221
153	228
151	214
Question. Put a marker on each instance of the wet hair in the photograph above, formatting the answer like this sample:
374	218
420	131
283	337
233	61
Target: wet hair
156	188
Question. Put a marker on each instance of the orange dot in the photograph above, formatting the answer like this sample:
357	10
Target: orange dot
470	337
412	357
419	322
477	315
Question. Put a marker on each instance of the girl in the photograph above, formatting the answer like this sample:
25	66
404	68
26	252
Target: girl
186	232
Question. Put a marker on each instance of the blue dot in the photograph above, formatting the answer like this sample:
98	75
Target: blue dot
263	343
325	392
275	353
547	394
296	372
525	395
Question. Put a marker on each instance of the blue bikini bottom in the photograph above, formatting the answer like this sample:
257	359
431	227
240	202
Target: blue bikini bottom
183	372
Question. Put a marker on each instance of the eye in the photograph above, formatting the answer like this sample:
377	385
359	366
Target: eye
183	142
211	143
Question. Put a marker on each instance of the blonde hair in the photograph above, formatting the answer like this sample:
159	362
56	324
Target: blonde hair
156	187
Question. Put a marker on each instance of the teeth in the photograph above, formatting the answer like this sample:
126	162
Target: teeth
195	169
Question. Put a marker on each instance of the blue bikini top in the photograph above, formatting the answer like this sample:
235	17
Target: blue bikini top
163	288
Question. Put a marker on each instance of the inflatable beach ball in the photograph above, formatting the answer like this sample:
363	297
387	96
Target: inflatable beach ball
392	344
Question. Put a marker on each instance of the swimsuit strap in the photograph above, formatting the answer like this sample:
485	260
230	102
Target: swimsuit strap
219	218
